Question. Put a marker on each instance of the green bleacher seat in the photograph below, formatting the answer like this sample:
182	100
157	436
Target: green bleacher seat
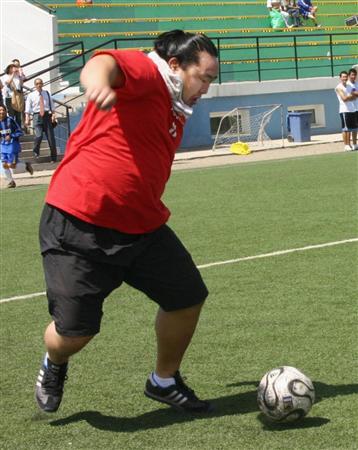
97	23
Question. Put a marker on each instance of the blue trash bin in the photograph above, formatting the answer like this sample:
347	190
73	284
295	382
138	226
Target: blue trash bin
299	126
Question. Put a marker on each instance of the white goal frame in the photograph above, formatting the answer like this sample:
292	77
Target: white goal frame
262	141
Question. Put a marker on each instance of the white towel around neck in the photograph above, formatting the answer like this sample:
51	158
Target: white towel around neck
174	84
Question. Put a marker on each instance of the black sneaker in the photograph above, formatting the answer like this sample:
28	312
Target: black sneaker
29	168
179	395
49	385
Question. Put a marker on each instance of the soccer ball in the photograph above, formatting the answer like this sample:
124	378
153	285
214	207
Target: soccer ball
285	394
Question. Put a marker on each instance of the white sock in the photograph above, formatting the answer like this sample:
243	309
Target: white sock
8	174
162	382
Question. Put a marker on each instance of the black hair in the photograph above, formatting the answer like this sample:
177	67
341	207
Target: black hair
183	46
344	72
352	71
8	68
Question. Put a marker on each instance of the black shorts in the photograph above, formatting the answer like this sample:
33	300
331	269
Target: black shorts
84	263
349	121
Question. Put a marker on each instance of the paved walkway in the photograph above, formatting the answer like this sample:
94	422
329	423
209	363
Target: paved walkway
206	157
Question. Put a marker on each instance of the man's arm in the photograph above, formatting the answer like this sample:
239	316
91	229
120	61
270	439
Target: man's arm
345	98
99	77
28	110
9	79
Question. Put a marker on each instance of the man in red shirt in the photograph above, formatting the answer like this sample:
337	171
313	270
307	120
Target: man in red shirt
104	222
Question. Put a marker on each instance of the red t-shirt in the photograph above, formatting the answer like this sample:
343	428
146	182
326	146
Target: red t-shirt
117	163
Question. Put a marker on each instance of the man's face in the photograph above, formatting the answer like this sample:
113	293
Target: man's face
196	77
344	78
38	85
352	77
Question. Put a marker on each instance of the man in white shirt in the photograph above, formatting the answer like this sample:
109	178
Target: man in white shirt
353	85
40	105
346	109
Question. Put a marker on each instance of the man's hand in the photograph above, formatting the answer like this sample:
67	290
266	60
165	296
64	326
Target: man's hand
104	97
100	76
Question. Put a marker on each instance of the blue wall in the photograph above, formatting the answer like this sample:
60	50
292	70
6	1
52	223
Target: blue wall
197	131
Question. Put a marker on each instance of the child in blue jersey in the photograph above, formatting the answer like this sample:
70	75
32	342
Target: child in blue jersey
307	10
10	146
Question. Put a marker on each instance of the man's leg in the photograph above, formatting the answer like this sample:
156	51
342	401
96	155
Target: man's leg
60	348
346	137
174	332
167	274
50	136
38	125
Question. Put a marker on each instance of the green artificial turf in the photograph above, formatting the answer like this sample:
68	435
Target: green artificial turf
296	309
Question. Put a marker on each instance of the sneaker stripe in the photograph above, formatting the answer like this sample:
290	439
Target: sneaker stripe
177	398
183	400
171	395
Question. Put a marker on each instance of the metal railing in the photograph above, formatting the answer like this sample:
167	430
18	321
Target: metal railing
62	108
235	52
242	58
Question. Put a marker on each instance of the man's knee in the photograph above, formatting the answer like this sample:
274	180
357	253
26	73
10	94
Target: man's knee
62	343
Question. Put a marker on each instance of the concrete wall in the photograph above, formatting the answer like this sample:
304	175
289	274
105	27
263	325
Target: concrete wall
228	96
27	33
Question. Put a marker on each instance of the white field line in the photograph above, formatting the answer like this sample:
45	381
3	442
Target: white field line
22	297
278	253
221	263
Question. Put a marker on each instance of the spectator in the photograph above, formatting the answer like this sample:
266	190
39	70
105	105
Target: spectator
10	147
308	11
276	18
40	105
13	82
290	13
347	110
281	16
353	86
17	64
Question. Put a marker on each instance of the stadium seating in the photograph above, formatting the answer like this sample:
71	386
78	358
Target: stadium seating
96	23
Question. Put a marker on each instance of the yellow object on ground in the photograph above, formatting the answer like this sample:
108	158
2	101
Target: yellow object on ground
240	148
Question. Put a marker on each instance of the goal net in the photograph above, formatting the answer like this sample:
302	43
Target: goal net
260	126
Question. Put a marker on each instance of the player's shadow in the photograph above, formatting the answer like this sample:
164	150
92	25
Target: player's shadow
241	403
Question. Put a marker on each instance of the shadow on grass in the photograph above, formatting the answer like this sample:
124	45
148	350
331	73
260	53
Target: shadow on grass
307	422
233	404
241	403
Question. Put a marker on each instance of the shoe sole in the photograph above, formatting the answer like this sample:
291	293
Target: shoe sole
47	411
175	406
